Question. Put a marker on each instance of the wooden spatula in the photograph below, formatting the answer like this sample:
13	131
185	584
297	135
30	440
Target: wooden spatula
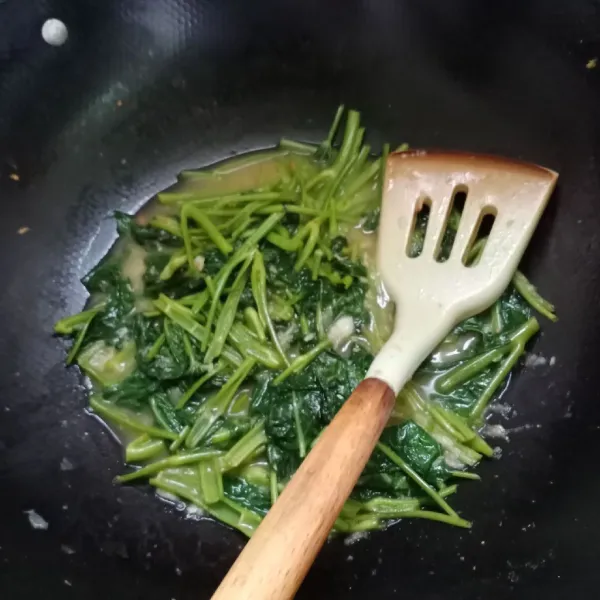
431	298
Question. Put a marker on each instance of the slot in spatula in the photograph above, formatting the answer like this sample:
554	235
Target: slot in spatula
431	296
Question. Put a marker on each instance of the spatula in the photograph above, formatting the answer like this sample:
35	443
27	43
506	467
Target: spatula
431	297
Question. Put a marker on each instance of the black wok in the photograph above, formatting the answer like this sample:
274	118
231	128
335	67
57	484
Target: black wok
145	88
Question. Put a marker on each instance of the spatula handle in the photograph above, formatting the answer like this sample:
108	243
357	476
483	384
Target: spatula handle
277	557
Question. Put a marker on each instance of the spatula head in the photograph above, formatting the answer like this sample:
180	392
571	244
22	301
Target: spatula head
514	193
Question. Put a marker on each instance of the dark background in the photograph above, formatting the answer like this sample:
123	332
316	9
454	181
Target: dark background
145	88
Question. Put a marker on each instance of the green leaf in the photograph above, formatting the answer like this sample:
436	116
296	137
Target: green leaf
164	413
256	498
114	323
143	234
133	392
419	449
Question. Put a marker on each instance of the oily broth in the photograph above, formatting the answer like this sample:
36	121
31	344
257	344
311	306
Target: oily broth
378	303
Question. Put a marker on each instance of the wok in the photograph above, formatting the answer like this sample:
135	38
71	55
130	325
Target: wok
144	89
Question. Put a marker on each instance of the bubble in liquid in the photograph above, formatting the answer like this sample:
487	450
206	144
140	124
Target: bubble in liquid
55	32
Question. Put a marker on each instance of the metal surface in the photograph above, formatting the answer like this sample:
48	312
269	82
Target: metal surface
143	89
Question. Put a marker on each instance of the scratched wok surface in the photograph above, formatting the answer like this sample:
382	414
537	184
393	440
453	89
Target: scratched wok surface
142	90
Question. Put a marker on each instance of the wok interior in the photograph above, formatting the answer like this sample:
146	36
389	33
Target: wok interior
141	91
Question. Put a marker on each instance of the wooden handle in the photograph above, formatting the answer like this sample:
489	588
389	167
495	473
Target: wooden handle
279	554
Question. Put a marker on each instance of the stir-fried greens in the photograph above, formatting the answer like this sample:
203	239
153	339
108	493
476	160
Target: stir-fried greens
230	323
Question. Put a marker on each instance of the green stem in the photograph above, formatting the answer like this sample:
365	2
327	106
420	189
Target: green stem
366	522
442	420
212	201
295	146
274	487
532	296
168	224
436	516
189	211
155	348
316	264
232	357
457	423
304	325
410	472
466	475
302	361
327	143
351	131
496	318
472	439
182	483
298	425
70	325
240	255
74	351
253	322
480	445
362	179
258	475
181	315
256	208
449	490
227	316
469	369
108	411
357	167
242	228
187	486
195	366
517	340
171	462
351	508
328	196
319	322
290	208
314	228
284	241
258	234
239	217
319	314
177	260
212	409
211	480
200	300
499	377
258	279
249	346
474	253
391	505
328	175
245	447
524	332
418	405
180	439
143	448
